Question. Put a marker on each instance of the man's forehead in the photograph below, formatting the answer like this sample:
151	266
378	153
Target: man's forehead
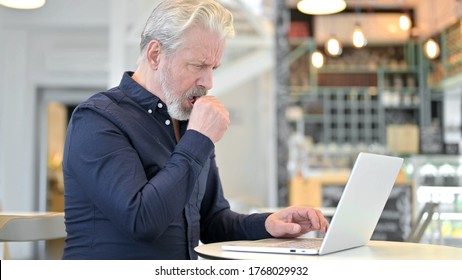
203	47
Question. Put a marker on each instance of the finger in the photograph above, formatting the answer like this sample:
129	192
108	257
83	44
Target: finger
286	229
323	223
291	228
314	217
325	226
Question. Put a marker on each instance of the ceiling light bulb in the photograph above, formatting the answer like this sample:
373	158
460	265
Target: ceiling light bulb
317	59
359	40
23	4
404	22
431	49
321	7
333	47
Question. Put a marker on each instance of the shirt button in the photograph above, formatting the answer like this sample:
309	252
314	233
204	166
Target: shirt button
167	122
150	111
160	105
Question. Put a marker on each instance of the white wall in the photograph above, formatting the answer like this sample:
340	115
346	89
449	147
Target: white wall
17	111
16	115
245	155
52	47
39	49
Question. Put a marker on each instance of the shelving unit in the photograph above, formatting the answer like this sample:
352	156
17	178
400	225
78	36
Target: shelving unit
447	70
452	42
344	115
361	101
444	77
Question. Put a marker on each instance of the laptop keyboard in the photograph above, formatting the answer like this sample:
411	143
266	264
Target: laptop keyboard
299	244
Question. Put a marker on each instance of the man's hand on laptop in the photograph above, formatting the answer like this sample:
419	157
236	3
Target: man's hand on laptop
295	221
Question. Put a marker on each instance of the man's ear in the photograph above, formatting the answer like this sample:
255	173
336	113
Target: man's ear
153	54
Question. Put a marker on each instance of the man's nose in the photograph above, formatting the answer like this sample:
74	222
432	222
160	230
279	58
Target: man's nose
206	79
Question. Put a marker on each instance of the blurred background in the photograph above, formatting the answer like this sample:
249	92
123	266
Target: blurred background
302	106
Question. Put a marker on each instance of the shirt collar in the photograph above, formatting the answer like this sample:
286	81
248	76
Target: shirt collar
140	95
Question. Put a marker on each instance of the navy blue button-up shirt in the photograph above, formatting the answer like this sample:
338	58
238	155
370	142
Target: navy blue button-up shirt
133	192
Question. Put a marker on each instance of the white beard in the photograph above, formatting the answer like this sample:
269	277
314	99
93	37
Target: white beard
174	107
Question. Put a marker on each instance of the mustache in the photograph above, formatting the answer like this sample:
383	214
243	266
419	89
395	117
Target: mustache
197	92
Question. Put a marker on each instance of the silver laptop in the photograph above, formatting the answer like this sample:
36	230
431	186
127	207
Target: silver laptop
358	211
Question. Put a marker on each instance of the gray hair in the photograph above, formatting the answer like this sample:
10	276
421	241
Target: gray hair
172	18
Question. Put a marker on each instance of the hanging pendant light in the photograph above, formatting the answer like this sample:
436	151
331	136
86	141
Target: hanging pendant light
359	40
431	49
333	47
317	59
405	22
321	7
23	4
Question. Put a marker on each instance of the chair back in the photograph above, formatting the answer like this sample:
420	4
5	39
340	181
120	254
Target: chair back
32	227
